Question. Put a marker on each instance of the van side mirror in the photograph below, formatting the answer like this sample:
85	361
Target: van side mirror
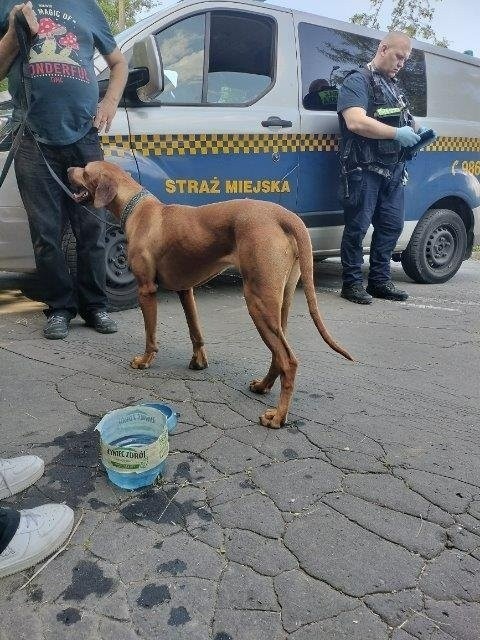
137	79
146	78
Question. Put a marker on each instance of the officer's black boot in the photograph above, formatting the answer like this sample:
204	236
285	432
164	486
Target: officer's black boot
387	291
356	293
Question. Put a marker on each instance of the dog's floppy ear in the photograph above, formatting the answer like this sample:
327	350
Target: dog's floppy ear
105	192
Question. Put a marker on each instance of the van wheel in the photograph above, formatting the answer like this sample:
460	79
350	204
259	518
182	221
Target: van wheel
121	284
437	247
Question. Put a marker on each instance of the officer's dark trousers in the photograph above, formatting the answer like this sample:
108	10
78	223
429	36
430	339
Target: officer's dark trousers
49	209
9	519
380	203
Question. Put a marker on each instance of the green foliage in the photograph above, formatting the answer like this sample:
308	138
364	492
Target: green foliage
132	7
410	16
3	85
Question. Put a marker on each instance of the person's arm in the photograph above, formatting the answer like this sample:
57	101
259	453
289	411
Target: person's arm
107	107
8	52
9	44
358	122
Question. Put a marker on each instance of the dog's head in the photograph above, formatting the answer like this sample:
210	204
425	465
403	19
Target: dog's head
96	183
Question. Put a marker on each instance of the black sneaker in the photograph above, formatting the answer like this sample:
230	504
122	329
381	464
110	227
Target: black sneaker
56	327
387	291
101	322
356	293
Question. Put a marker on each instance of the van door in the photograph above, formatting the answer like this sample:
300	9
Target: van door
228	122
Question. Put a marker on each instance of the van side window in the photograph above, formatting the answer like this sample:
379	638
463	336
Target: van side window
240	64
328	55
239	54
182	47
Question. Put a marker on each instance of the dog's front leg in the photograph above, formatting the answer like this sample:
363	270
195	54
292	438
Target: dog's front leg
199	357
148	304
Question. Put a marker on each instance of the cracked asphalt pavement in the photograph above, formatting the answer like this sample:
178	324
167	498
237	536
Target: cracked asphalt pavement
359	520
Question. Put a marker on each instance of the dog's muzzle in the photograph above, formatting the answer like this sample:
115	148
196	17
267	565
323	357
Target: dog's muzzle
81	196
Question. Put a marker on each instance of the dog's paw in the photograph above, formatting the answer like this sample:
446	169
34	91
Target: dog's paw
199	359
258	386
270	419
140	362
198	365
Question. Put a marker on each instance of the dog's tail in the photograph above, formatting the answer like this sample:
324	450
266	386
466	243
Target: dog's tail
305	259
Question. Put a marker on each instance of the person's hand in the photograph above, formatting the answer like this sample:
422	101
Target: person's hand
28	12
105	113
406	136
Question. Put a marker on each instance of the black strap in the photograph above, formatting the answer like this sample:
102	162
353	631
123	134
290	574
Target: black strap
17	137
24	35
24	38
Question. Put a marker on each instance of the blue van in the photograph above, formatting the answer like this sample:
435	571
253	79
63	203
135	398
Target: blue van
224	111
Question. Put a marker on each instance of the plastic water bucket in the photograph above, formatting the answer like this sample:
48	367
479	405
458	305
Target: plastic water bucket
170	415
134	445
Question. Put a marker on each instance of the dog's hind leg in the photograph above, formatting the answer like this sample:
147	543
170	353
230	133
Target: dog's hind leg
148	303
199	357
264	386
288	294
265	310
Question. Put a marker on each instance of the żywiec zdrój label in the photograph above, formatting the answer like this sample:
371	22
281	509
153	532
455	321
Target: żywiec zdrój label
138	458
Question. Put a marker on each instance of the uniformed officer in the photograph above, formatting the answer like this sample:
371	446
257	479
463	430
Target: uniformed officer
376	128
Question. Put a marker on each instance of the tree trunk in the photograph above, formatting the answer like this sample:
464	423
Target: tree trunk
121	14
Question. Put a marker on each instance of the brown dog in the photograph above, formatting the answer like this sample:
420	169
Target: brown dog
181	247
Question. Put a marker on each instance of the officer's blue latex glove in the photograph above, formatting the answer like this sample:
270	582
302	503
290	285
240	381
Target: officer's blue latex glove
406	136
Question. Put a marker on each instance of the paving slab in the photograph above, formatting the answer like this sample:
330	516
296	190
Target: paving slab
358	520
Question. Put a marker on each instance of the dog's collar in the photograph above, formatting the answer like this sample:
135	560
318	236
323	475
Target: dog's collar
130	206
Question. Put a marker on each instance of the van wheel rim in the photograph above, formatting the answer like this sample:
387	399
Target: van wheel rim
118	271
441	246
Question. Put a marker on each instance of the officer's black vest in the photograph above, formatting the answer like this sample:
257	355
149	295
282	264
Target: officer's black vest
357	150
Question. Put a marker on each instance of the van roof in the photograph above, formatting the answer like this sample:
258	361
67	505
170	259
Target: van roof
302	16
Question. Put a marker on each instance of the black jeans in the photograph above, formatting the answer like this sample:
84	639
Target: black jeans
380	202
49	209
9	519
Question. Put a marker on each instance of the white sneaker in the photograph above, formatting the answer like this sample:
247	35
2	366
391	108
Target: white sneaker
16	474
41	531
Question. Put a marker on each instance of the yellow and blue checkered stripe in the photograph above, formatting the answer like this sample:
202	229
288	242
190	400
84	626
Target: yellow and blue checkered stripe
216	144
449	143
238	143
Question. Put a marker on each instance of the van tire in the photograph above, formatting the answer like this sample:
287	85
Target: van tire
437	247
121	287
